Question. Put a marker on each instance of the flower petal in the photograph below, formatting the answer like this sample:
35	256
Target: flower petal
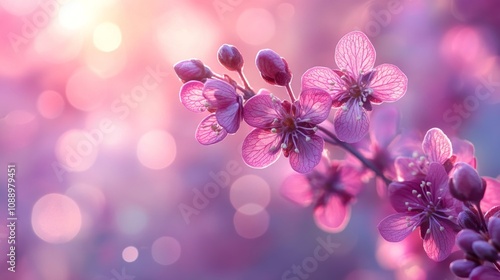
397	227
436	145
219	94
260	110
230	117
464	150
261	148
402	193
492	193
439	243
438	177
191	95
389	83
209	131
296	187
309	154
315	105
355	53
351	122
333	215
405	168
323	78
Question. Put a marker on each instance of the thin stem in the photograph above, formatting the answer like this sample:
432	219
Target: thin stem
248	92
481	217
368	164
290	92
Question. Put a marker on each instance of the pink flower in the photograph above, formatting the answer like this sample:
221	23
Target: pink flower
221	100
426	204
331	187
356	85
290	127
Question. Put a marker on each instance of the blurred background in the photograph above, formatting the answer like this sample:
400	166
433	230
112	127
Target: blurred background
111	183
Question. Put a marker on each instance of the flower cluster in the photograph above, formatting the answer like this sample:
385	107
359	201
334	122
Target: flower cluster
430	181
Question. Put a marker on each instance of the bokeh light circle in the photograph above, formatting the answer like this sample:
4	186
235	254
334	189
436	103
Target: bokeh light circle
50	104
130	254
156	149
74	14
247	190
166	250
251	226
56	218
107	37
256	26
76	151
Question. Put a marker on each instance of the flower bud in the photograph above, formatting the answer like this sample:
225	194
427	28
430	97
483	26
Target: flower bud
462	268
465	184
484	272
465	239
193	69
485	251
230	57
494	230
467	219
273	68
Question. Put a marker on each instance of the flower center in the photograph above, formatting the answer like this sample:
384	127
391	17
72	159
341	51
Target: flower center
289	124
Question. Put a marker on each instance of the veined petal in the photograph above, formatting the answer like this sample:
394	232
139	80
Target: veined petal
436	145
209	131
438	177
389	83
405	168
315	105
261	148
296	187
230	117
439	242
351	122
260	110
309	154
397	227
355	53
219	94
403	195
464	150
191	95
323	78
333	215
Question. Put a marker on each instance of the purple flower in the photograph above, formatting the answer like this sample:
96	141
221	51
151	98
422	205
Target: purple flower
436	147
426	204
290	127
356	85
332	187
220	99
230	57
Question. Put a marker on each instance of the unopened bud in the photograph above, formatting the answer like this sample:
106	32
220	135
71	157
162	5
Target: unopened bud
494	230
193	69
467	219
273	68
462	268
485	251
465	239
465	184
230	57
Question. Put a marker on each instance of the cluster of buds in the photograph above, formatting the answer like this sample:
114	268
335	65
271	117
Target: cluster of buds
479	238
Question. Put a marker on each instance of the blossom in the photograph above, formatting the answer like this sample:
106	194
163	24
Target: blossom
273	68
221	100
290	127
192	70
356	85
426	204
436	147
331	187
